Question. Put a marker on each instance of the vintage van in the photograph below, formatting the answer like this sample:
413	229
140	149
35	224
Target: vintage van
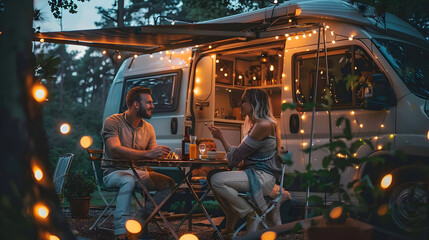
297	43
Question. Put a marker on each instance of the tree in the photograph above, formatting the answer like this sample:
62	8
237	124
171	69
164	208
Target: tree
23	137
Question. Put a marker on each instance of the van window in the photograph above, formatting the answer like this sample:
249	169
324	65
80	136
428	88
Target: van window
349	72
164	86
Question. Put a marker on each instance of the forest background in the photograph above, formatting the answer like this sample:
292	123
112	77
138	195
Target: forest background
78	83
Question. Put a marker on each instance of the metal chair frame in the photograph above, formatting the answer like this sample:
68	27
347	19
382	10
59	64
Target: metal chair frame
61	173
272	204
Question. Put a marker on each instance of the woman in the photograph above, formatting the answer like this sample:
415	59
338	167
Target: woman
257	159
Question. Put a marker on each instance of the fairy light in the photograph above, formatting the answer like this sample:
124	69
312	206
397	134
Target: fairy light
119	56
382	125
42	40
296	37
86	141
290	20
332	33
221	69
151	56
379	147
327	27
314	31
284	101
393	135
217	60
289	38
304	36
310	35
39	92
280	55
41	211
210	47
189	58
336	212
286	35
339	155
133	226
382	210
269	235
182	52
53	237
361	125
304	144
196	91
188	236
173	52
352	112
283	75
271	68
38	174
226	74
303	117
135	55
351	38
65	128
277	37
167	52
376	138
333	42
386	181
104	52
302	131
213	56
286	88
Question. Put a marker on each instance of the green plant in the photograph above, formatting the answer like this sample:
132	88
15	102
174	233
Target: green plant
79	184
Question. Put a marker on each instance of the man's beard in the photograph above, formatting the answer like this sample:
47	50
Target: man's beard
144	114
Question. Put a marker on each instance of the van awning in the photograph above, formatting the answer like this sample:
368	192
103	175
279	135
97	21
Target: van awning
148	39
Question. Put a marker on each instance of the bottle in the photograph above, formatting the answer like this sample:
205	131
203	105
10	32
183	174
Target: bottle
186	141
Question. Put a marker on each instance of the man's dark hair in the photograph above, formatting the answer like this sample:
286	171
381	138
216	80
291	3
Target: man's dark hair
134	94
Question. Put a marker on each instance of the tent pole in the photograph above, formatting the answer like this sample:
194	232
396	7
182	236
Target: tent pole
312	116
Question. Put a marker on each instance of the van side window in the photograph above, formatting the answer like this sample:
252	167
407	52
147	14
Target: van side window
350	71
165	90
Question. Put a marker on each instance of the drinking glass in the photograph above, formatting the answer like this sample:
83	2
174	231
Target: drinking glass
202	148
193	148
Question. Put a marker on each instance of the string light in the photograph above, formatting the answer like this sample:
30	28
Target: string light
133	226
386	181
65	128
104	52
86	141
336	212
269	235
41	211
42	40
277	37
188	236
135	55
39	92
38	174
151	56
351	38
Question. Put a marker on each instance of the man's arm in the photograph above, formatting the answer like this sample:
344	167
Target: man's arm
116	150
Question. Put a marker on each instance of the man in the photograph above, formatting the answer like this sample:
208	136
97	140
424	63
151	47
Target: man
128	136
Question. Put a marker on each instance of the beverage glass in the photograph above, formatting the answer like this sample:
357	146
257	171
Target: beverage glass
202	148
193	148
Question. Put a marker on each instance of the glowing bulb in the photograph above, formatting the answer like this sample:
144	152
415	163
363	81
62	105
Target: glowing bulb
86	141
379	147
302	131
196	91
217	60
41	211
352	112
182	52
104	52
382	125
167	52
226	74
286	35
240	77
304	36
283	75
53	237
189	58
188	236
213	56
303	117
393	135
386	181
38	174
269	235
290	20
39	92
169	60
333	41
286	88
296	37
289	38
65	128
357	167
119	56
304	144
314	31
187	49
339	155
271	68
254	78
277	37
284	101
197	80
382	210
135	55
354	154
376	137
210	46
361	125
42	40
310	35
151	56
336	212
133	226
327	27
173	52
351	37
221	69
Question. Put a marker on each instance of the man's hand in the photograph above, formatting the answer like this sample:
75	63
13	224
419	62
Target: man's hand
158	152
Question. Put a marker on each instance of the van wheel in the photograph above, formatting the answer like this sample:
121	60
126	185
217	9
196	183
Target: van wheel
408	204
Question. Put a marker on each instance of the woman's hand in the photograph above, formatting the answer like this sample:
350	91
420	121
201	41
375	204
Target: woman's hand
216	132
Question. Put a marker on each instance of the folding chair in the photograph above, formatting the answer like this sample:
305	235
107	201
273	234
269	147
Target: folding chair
272	203
61	172
96	155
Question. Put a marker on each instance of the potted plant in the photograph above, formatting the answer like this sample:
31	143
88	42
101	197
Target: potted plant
78	190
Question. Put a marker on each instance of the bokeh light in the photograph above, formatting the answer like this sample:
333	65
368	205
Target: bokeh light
382	210
386	181
41	210
38	174
53	237
86	141
133	226
188	236
269	235
39	92
336	212
65	128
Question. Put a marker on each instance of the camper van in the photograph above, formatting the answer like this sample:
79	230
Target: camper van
297	51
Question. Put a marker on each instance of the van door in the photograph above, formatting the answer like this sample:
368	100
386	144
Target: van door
350	71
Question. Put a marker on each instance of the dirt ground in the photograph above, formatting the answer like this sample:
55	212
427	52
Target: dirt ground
200	228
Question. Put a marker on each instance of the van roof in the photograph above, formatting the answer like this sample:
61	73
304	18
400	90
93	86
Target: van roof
240	27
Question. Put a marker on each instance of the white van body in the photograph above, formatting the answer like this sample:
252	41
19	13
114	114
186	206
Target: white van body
199	94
